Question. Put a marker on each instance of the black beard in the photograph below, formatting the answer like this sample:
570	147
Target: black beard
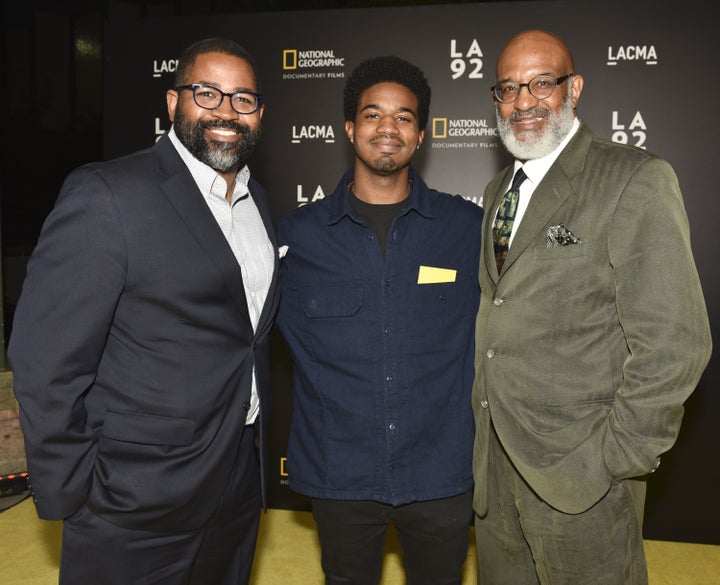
222	157
384	165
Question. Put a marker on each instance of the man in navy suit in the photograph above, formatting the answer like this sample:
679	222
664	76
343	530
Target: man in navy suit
140	344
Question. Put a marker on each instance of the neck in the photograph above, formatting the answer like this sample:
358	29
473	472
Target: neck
381	189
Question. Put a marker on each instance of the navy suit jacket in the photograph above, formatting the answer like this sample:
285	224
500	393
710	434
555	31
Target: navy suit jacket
132	347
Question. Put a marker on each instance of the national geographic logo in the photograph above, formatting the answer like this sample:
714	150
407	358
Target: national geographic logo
312	64
164	66
463	133
642	53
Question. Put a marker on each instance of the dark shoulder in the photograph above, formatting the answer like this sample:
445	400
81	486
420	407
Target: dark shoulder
309	212
304	221
456	206
128	166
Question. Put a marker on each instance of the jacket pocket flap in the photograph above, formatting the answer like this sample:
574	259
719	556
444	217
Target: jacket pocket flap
148	429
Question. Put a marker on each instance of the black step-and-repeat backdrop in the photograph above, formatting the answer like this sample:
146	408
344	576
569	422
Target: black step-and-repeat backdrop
650	80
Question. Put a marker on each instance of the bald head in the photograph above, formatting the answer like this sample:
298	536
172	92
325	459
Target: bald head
535	48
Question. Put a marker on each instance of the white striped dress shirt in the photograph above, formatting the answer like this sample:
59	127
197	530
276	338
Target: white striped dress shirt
245	232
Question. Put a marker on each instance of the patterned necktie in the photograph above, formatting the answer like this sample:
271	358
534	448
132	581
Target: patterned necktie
505	219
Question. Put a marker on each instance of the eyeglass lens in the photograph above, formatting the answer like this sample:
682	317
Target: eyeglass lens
210	98
540	87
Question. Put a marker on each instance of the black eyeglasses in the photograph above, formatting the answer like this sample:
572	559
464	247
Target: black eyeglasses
210	98
540	87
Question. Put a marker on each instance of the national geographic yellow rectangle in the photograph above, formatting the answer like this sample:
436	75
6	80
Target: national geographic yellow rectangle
290	59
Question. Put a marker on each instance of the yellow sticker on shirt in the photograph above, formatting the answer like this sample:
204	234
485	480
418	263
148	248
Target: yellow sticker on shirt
433	275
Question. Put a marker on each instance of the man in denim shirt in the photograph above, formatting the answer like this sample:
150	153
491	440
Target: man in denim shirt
380	291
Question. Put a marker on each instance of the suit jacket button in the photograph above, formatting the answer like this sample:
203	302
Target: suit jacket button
490	353
498	302
246	406
484	403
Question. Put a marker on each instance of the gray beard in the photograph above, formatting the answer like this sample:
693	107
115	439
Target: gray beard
538	145
222	157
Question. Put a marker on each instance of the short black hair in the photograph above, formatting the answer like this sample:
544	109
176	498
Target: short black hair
387	69
212	45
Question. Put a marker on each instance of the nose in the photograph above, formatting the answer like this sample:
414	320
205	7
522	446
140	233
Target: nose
225	110
525	99
388	125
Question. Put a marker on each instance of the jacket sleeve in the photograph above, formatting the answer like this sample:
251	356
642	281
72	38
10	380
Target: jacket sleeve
74	280
662	311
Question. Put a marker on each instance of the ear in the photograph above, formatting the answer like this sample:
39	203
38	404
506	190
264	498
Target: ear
350	130
421	137
171	97
577	86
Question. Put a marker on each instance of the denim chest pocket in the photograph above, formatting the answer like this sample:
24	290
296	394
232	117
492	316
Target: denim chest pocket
457	295
331	301
441	315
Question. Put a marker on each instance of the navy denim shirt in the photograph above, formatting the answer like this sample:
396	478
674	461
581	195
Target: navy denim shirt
383	347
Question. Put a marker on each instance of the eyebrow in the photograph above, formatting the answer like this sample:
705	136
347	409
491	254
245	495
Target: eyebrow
379	107
547	73
217	86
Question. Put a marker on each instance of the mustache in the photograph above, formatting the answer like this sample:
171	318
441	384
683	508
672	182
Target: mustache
534	112
225	125
385	136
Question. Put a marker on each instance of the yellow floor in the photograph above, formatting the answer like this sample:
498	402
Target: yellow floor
288	553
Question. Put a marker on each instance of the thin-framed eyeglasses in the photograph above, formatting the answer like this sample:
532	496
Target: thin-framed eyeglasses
540	87
209	97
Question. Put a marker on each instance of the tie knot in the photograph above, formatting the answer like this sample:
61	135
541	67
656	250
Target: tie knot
519	177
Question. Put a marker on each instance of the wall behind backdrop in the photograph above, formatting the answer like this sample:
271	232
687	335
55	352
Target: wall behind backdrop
649	77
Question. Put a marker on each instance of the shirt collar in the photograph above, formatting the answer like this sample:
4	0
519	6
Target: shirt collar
341	206
206	178
537	168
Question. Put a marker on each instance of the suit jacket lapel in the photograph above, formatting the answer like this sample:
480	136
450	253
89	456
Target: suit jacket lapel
271	301
188	202
550	194
496	194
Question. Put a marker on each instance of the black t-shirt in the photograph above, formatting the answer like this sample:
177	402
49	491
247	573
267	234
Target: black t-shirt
378	216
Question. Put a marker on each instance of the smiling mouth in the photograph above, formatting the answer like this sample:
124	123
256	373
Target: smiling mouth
222	133
528	117
387	146
529	124
223	130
